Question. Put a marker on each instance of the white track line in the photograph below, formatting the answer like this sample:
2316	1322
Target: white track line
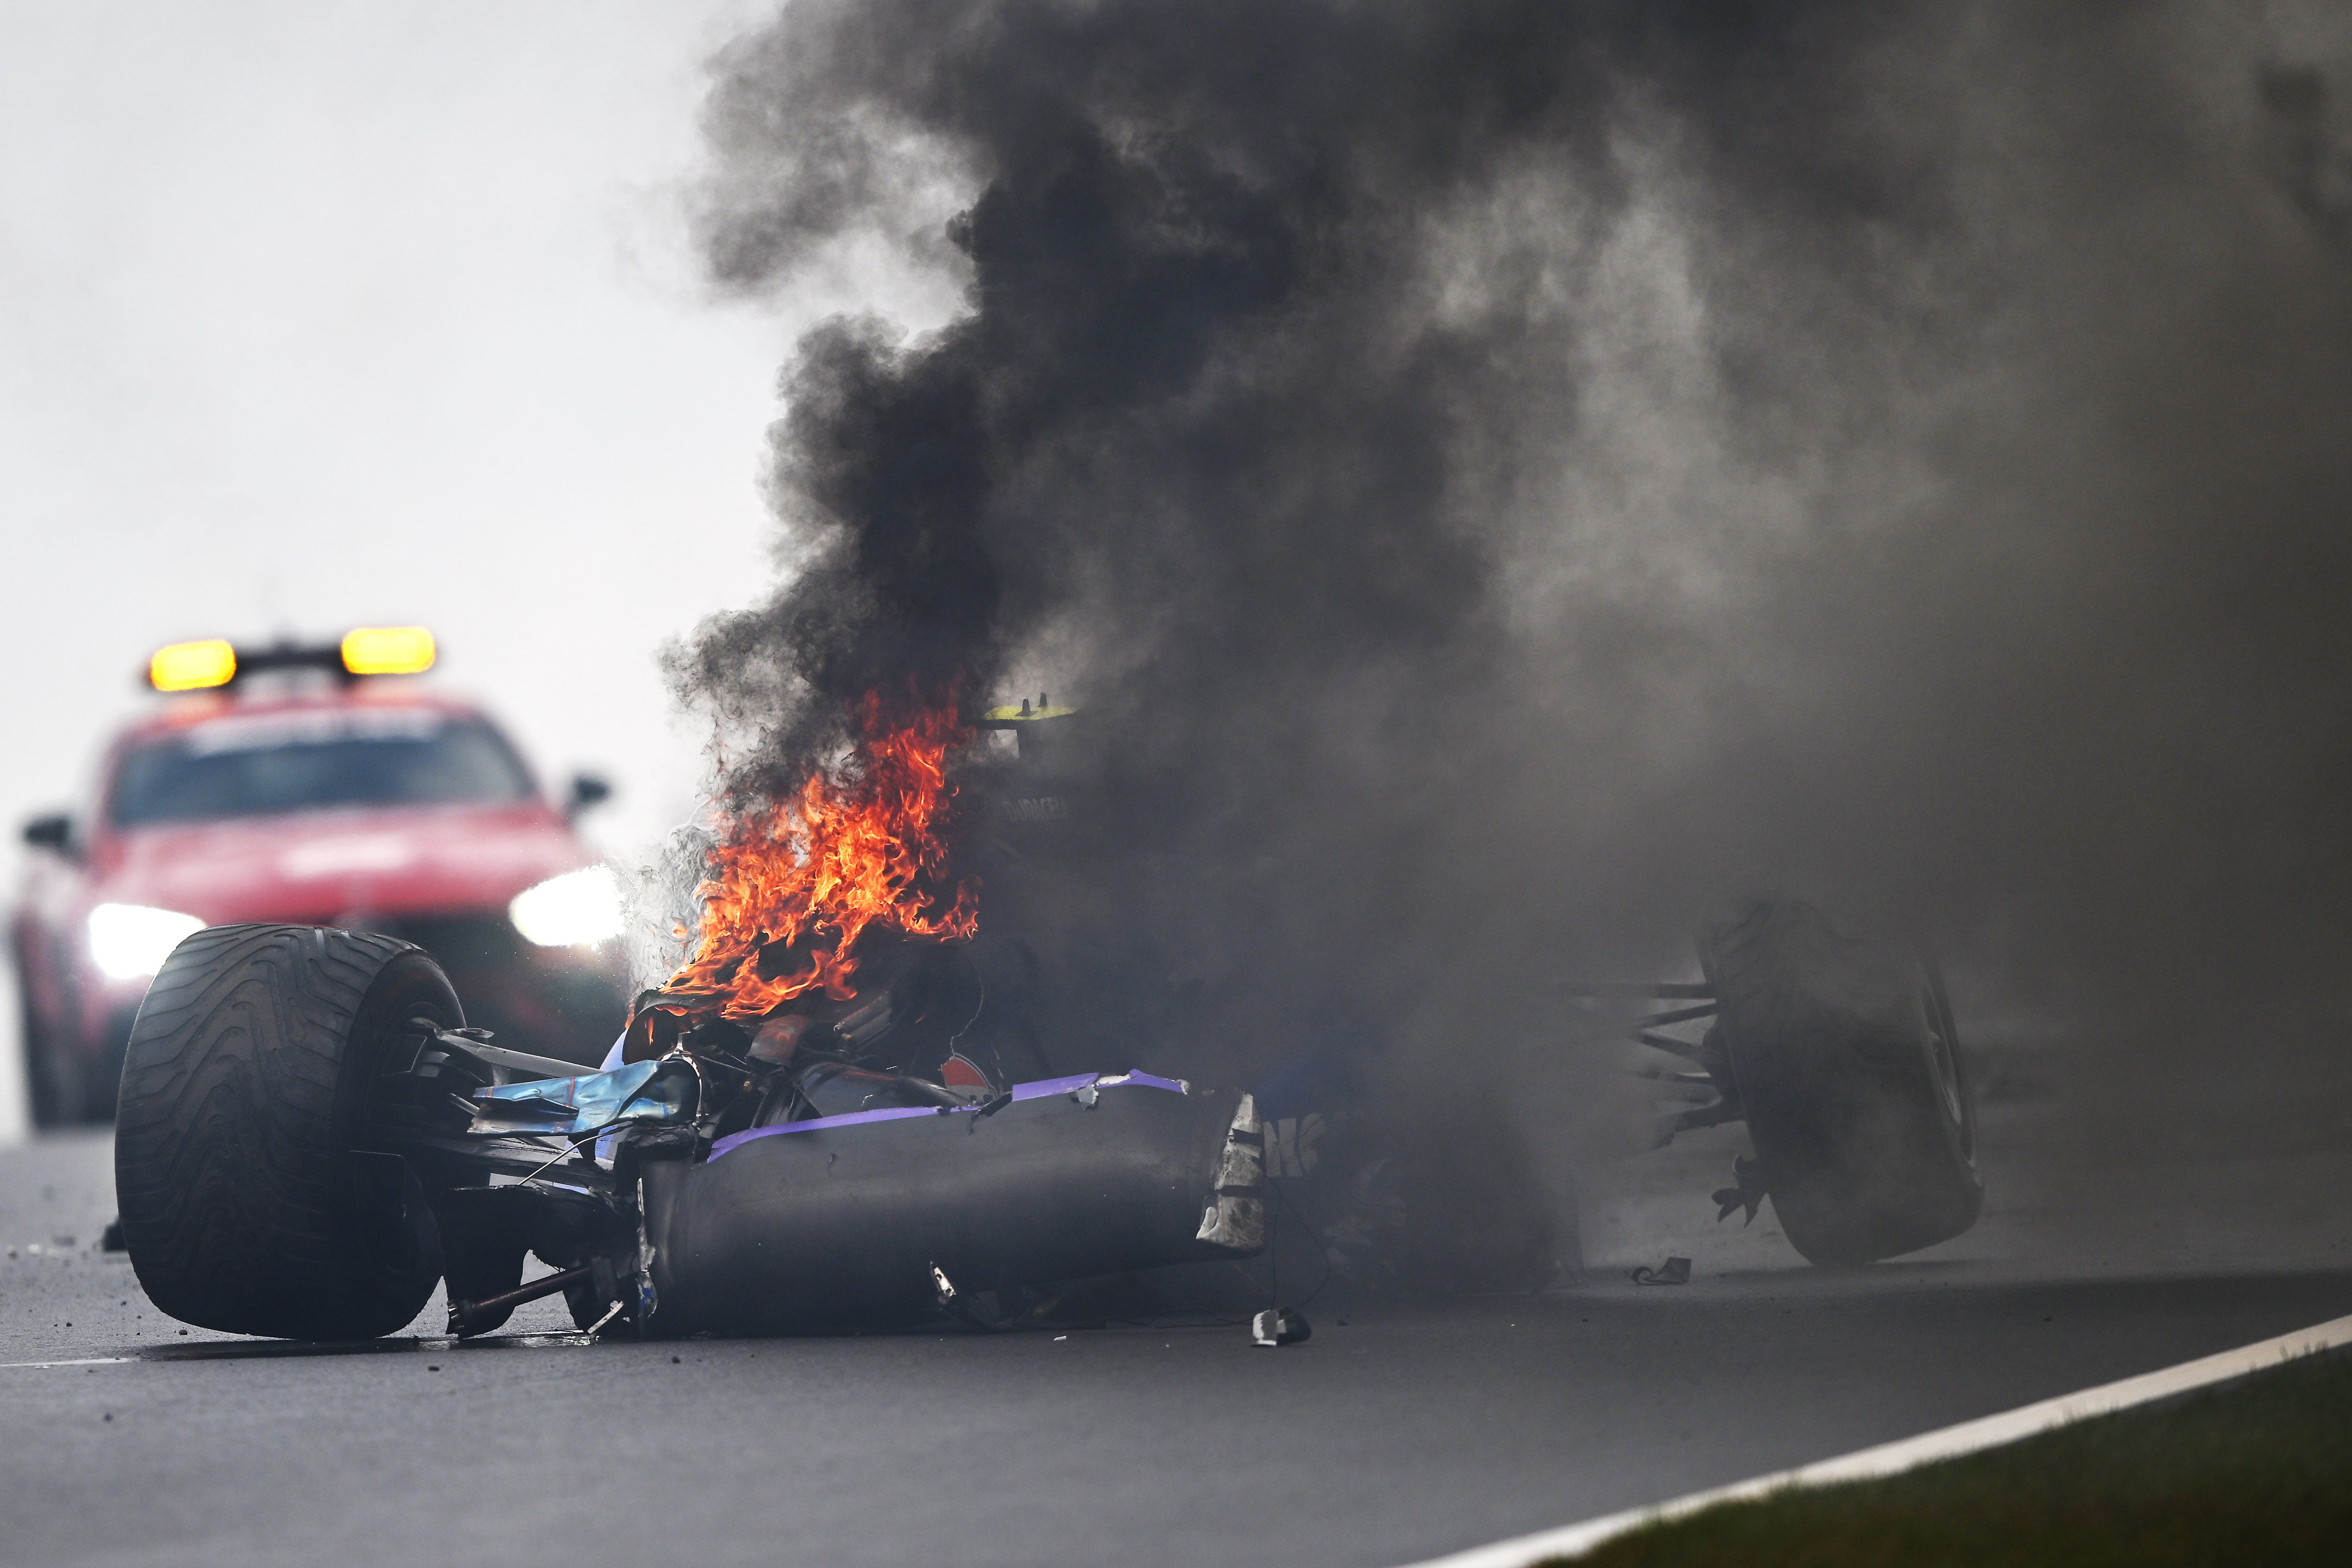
1892	1458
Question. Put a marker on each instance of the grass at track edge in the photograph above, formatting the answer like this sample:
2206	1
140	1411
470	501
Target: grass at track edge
2257	1472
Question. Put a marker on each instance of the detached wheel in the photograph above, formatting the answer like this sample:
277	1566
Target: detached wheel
250	1201
1849	1071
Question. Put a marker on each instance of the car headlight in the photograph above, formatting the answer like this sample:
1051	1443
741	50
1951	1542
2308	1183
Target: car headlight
130	940
569	910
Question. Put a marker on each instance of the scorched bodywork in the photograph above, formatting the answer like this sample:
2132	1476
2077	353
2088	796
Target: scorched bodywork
849	1221
706	1189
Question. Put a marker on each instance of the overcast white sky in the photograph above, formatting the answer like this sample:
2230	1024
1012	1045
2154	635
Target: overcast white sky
316	314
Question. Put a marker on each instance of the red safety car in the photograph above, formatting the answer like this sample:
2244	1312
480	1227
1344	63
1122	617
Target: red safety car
316	784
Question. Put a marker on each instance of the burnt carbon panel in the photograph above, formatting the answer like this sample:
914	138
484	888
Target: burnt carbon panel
838	1227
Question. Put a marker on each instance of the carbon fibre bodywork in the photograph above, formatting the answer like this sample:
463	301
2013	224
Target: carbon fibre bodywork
879	1218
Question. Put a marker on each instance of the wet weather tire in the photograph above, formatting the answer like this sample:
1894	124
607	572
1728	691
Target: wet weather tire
1849	1071
249	1201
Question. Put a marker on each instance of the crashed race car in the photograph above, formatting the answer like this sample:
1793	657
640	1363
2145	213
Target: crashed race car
812	1127
310	1140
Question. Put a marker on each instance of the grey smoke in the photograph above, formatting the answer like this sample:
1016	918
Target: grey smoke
1508	470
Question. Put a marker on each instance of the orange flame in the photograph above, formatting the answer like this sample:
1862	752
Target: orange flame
795	884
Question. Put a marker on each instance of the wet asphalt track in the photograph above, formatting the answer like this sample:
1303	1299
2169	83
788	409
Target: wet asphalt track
1400	1433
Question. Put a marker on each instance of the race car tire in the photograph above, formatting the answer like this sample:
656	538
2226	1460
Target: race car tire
1849	1071
249	1202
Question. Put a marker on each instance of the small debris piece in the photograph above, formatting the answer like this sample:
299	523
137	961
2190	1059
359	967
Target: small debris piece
1673	1271
1275	1327
111	1239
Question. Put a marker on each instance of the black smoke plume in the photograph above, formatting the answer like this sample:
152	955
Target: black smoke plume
1501	471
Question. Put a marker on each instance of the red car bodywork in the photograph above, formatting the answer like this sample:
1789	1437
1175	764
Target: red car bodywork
440	874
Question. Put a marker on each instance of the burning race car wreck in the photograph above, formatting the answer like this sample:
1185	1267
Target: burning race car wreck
812	1126
794	1134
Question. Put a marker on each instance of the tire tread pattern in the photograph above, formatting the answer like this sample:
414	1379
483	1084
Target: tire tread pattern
235	1129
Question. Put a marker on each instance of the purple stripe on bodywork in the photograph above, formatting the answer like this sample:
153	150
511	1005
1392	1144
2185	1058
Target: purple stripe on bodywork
890	1113
1145	1081
1042	1089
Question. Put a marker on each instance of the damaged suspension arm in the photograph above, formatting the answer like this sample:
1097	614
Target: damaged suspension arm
523	1155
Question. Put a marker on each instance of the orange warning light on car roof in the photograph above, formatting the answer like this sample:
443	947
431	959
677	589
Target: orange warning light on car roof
192	666
387	650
